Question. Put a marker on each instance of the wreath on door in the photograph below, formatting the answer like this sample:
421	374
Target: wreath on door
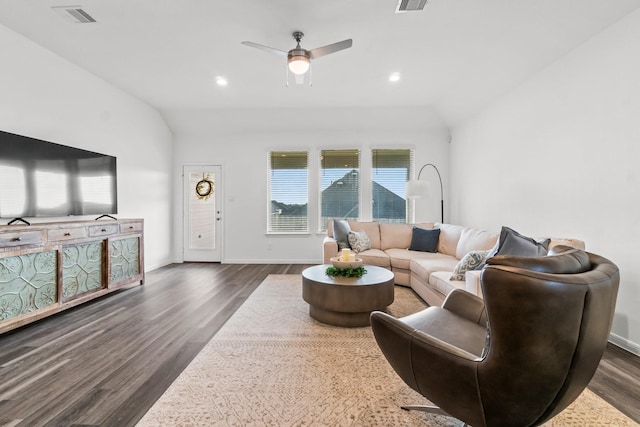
204	187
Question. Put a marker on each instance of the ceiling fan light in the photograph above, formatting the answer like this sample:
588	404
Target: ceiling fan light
299	65
299	62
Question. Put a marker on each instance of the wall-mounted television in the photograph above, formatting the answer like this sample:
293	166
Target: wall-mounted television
44	179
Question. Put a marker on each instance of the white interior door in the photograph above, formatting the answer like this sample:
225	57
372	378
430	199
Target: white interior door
202	213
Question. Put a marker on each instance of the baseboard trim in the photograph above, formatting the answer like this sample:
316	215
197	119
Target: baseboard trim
271	261
148	268
624	343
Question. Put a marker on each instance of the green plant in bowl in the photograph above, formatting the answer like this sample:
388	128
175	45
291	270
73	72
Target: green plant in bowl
346	272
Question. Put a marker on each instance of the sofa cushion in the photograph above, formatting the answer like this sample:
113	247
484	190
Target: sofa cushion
514	243
472	239
395	236
399	235
371	228
375	257
423	267
440	281
424	240
341	231
401	258
359	241
474	260
449	237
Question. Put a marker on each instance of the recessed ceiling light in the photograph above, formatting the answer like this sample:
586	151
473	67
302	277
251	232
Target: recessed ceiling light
394	77
221	81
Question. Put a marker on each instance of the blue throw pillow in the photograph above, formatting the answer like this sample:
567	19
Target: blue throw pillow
424	240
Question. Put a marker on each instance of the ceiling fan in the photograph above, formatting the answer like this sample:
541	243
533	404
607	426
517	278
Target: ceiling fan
299	59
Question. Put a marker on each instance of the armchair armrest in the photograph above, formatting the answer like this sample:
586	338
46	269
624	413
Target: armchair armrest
443	373
387	326
466	305
329	249
426	340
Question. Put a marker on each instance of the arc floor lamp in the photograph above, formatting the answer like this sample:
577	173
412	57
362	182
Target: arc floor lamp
418	189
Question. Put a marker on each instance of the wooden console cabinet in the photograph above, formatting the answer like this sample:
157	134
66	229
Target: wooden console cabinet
49	267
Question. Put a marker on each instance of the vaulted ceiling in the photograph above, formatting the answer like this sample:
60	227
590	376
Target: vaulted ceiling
454	57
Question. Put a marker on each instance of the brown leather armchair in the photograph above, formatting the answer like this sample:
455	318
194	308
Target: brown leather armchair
519	357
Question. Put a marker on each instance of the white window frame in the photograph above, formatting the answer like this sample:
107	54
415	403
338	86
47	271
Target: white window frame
270	229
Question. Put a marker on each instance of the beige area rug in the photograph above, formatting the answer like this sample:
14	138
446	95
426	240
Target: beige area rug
272	365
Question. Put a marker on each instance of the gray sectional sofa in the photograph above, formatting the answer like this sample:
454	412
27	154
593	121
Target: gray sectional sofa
429	274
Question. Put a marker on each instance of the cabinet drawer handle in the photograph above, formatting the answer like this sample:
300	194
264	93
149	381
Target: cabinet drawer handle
67	234
131	227
104	230
16	239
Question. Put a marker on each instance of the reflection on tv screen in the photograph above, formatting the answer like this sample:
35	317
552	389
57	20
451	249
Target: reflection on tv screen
39	179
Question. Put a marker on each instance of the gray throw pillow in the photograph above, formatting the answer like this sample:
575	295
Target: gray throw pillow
424	240
514	243
474	260
559	260
341	231
359	241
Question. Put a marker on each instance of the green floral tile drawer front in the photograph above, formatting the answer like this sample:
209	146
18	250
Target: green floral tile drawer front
81	269
125	262
27	283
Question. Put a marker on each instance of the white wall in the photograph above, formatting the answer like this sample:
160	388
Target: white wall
240	140
560	156
46	97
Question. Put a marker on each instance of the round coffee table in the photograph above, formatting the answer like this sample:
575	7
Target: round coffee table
346	301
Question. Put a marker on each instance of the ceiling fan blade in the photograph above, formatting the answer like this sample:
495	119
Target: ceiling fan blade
330	48
266	48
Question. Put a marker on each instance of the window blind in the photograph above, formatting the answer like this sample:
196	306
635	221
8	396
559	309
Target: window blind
288	191
339	185
390	170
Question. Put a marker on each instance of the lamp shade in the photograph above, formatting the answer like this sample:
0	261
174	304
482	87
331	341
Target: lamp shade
298	61
417	189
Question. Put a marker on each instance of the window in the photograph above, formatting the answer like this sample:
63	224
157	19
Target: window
339	185
51	189
288	191
13	197
390	171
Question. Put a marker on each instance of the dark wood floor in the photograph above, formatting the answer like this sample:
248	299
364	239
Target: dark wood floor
106	362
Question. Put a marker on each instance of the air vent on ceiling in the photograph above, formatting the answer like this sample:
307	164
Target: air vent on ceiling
74	13
410	5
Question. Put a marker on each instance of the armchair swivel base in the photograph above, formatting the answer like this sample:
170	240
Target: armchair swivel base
427	408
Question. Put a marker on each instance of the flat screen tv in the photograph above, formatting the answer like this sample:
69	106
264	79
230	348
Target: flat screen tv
44	179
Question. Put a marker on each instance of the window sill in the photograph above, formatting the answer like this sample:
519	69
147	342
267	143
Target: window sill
287	233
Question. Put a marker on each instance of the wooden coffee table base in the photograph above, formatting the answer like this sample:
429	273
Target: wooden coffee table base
343	301
335	318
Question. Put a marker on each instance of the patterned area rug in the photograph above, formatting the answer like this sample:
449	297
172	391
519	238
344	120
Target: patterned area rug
272	365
